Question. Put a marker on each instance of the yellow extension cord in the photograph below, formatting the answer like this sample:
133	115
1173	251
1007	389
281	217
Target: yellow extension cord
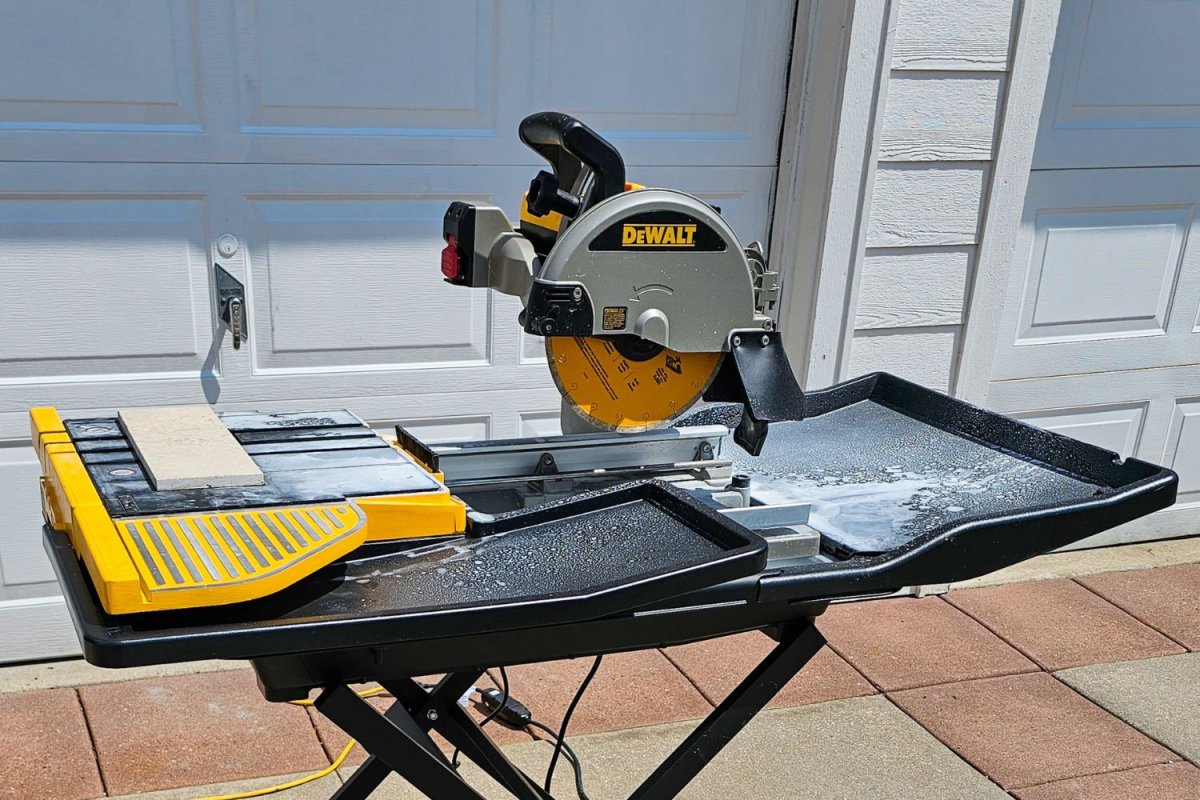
316	776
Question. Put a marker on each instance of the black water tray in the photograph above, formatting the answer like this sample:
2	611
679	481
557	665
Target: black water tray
591	556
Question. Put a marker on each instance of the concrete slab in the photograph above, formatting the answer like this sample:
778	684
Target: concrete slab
47	752
716	666
1061	624
1165	598
1177	781
1024	730
905	643
77	672
1091	562
1158	696
162	733
320	789
629	690
841	750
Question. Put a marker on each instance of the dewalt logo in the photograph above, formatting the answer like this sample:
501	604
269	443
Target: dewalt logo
658	235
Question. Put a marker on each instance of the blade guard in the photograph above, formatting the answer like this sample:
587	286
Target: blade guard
757	375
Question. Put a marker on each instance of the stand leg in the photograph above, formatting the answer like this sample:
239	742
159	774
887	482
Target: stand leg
794	650
397	741
464	733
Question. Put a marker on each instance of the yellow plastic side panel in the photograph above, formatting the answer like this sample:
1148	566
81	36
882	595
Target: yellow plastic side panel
73	506
408	516
215	558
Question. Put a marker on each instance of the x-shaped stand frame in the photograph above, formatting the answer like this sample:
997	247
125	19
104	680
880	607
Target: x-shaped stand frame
398	740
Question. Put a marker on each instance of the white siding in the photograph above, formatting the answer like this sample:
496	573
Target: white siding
938	106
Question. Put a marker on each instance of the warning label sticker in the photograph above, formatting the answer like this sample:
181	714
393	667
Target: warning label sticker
613	318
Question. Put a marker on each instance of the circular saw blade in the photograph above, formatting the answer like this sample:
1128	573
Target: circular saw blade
617	387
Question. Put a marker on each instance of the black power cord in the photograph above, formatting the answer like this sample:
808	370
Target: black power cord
572	758
562	730
497	710
511	712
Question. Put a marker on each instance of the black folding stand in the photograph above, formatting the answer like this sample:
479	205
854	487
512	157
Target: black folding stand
399	740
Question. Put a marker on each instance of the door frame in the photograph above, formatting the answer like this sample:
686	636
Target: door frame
1036	27
841	55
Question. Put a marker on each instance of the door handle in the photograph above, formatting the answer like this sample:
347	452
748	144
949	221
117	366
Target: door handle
231	304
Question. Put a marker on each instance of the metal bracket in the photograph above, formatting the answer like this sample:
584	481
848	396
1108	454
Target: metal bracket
231	304
757	374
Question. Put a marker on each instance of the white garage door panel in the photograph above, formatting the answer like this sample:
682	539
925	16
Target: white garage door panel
129	273
1117	427
435	430
21	557
353	282
121	65
688	85
36	628
1182	450
1123	89
312	66
282	81
1110	277
1147	413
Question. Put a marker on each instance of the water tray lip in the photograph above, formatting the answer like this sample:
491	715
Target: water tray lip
156	636
989	428
1130	488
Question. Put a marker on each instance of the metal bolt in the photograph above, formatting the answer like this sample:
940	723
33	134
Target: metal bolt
577	293
431	715
547	459
737	341
766	340
769	324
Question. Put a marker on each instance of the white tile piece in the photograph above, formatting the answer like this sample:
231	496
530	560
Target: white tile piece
187	447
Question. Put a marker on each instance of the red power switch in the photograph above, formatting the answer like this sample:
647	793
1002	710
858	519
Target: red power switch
450	266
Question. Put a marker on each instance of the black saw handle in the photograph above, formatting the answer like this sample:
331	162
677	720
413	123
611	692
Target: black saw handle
570	147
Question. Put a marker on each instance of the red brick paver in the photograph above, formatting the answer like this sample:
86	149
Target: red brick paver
192	730
905	643
1022	730
1060	624
47	752
718	665
630	690
1166	598
1178	781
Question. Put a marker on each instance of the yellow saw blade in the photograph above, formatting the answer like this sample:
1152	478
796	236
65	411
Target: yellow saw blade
628	384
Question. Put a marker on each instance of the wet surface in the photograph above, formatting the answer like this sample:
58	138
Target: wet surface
617	545
877	477
306	457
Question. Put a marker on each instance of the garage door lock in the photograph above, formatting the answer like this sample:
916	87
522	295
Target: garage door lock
231	304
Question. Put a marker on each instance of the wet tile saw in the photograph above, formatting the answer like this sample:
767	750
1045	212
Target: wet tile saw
648	303
650	523
619	279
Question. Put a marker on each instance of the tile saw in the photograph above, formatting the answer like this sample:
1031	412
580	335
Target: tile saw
648	304
650	523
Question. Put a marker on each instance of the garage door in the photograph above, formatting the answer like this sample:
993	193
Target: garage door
320	142
1100	337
